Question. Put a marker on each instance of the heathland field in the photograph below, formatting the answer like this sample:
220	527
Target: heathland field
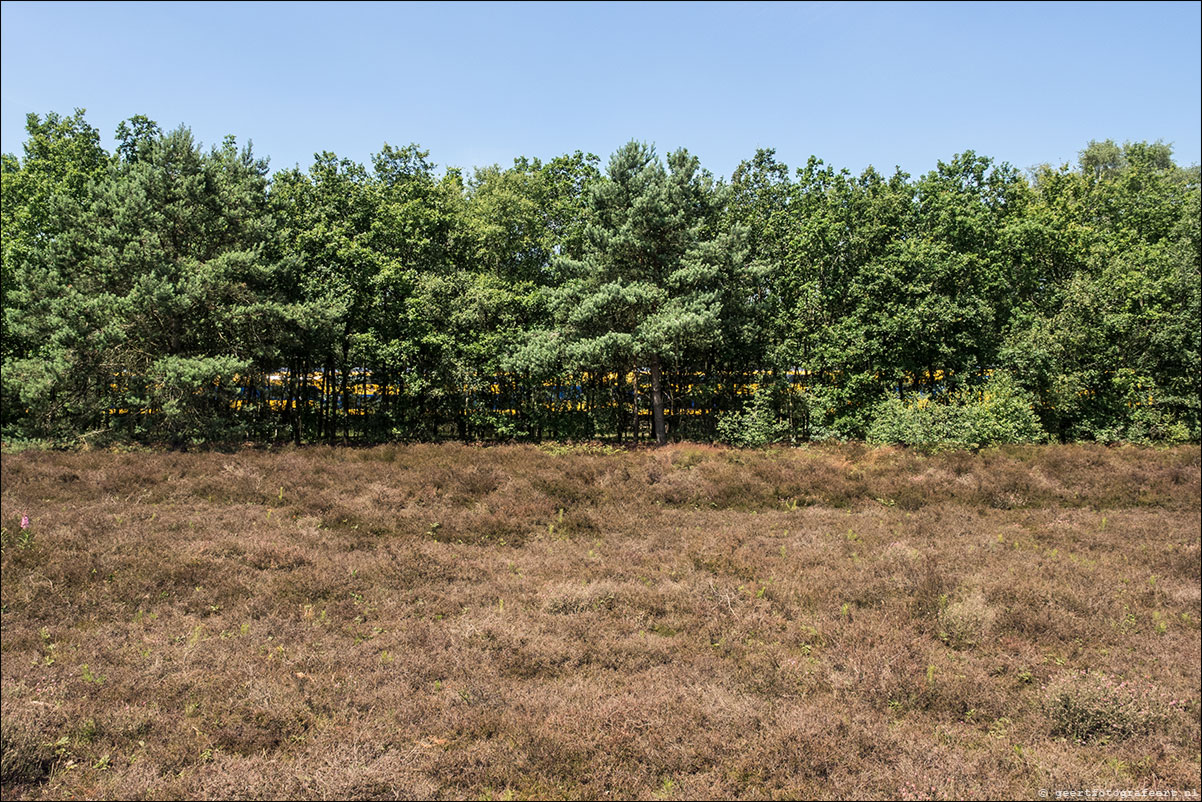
446	621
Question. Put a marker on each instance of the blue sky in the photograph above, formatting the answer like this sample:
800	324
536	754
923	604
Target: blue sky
855	84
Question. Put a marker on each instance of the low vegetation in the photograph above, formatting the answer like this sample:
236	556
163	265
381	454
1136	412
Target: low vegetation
452	621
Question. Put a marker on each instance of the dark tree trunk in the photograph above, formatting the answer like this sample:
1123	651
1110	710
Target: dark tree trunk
293	400
635	385
345	393
657	402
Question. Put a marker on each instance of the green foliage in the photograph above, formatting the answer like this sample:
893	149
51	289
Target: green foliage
1111	348
756	425
62	158
646	291
148	298
645	286
997	412
163	293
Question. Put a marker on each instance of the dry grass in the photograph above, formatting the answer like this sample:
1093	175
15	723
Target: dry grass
692	622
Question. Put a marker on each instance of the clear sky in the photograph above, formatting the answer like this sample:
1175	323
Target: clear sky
855	84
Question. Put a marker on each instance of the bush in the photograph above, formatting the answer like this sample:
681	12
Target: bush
999	412
756	426
965	623
1151	424
1091	706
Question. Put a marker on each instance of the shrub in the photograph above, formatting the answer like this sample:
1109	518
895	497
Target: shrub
1092	706
1151	424
965	623
754	427
998	412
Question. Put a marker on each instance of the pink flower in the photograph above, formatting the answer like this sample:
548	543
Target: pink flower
24	521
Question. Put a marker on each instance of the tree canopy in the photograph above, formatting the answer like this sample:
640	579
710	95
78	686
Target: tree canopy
171	293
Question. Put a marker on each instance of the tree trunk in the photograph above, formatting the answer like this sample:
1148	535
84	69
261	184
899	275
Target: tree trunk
635	383
657	402
346	393
462	422
293	401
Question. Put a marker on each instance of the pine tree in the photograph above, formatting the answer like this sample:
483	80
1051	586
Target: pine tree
155	298
645	292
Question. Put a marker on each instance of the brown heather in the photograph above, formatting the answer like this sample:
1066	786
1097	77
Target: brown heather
515	622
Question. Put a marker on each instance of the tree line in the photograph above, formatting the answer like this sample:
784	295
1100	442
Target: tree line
175	294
